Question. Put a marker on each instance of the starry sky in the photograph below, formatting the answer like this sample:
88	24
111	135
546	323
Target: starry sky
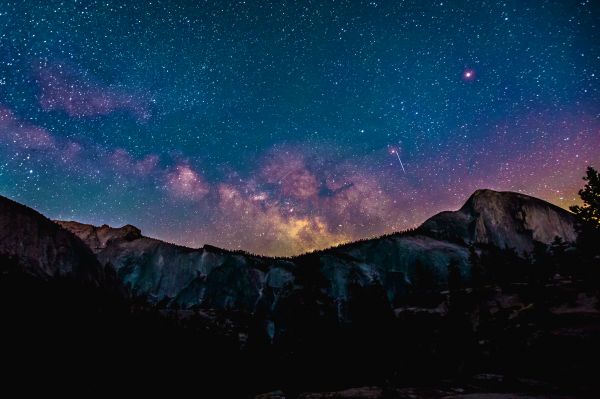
279	127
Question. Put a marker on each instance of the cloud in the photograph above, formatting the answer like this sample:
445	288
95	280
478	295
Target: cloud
297	200
358	203
77	157
293	200
183	182
288	170
19	134
256	222
65	89
123	162
71	151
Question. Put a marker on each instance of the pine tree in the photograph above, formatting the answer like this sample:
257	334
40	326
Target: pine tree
588	229
588	215
558	246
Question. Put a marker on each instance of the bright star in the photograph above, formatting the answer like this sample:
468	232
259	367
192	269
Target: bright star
468	75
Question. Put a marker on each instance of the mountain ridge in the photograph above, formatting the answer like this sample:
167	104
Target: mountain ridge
342	309
72	225
236	279
209	275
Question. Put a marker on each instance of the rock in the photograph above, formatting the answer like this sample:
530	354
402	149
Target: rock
502	219
97	238
584	305
42	247
353	393
271	395
167	272
440	310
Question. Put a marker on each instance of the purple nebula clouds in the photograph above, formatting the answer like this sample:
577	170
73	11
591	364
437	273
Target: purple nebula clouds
125	163
294	198
298	199
64	89
185	183
19	134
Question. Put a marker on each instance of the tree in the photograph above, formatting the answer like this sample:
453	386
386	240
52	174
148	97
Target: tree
558	246
588	215
588	229
455	304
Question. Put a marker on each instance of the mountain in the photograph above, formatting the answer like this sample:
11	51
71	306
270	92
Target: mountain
43	248
163	271
231	280
502	219
360	314
58	302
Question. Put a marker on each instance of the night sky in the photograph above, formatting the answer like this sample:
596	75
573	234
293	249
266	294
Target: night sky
281	127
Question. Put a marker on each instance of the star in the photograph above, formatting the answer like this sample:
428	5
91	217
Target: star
203	131
469	75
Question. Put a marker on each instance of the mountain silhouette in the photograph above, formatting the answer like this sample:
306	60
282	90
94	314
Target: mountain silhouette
225	279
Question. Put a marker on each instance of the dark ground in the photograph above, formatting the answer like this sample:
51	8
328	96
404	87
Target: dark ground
522	338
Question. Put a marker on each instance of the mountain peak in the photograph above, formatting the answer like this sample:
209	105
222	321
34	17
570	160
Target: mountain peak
483	195
483	191
97	238
43	248
503	219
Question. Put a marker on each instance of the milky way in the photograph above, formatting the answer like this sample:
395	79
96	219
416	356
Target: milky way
267	126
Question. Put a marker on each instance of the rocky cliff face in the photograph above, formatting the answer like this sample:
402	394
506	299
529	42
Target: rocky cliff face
41	247
98	238
502	219
228	280
162	271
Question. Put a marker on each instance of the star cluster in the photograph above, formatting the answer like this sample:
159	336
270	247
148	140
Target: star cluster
282	127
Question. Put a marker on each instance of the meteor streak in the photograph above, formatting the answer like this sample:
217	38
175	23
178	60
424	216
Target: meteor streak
399	160
393	150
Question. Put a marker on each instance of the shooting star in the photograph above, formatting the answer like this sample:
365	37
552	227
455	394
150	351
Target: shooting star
395	151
